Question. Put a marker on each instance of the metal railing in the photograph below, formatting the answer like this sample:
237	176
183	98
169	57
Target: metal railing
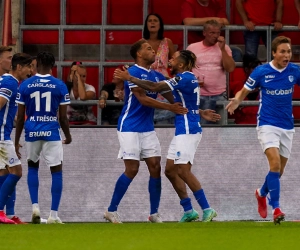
101	64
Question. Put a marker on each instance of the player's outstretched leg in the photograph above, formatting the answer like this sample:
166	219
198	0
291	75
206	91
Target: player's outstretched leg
208	212
261	204
278	216
56	192
154	189
112	217
190	214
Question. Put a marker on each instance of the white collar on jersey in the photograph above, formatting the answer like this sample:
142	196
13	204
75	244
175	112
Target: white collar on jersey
273	66
148	70
39	75
7	74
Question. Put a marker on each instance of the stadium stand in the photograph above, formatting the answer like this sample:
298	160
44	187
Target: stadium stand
104	46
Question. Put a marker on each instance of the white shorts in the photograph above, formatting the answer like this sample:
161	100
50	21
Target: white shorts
274	137
52	152
8	155
182	148
138	146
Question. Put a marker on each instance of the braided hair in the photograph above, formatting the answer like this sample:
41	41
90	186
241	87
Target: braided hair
189	58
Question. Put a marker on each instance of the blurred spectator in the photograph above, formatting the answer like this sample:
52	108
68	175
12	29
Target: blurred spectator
79	90
247	114
297	4
198	12
259	13
213	61
153	33
110	114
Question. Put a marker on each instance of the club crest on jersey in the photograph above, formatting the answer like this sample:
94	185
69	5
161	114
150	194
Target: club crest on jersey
156	79
250	81
291	78
6	91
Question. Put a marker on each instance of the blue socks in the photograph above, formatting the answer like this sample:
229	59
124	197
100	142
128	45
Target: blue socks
7	189
154	189
56	190
10	204
33	183
274	188
201	199
120	189
186	204
264	189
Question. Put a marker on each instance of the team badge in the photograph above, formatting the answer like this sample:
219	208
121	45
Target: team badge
291	78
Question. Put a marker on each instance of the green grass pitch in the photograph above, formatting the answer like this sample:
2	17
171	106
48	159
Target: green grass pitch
144	236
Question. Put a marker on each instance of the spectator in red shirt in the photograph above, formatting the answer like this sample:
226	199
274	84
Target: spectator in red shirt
247	114
259	13
198	12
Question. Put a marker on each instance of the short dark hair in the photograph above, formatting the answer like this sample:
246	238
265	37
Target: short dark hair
45	59
189	58
21	59
211	22
279	40
4	48
160	34
136	47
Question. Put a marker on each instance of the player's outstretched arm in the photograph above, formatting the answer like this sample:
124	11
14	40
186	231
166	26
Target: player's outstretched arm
19	128
235	102
64	123
147	85
209	115
150	102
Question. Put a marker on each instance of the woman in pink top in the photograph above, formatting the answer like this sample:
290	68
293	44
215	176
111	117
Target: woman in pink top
154	34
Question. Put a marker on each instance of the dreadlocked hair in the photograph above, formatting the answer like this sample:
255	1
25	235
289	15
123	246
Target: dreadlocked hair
45	59
189	58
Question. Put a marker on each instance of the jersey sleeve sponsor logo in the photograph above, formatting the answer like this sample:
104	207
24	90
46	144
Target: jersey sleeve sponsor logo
175	80
67	97
250	81
6	92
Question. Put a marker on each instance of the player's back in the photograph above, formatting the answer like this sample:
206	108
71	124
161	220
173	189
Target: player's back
186	89
136	117
42	95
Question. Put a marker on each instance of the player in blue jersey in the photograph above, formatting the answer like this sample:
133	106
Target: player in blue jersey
188	132
45	99
138	140
275	123
5	66
8	91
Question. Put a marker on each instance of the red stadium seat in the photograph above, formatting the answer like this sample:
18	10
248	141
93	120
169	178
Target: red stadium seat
42	12
169	11
92	13
125	12
40	37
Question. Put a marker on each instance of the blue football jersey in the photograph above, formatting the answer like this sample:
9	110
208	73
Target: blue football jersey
185	87
8	90
42	95
276	92
136	117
